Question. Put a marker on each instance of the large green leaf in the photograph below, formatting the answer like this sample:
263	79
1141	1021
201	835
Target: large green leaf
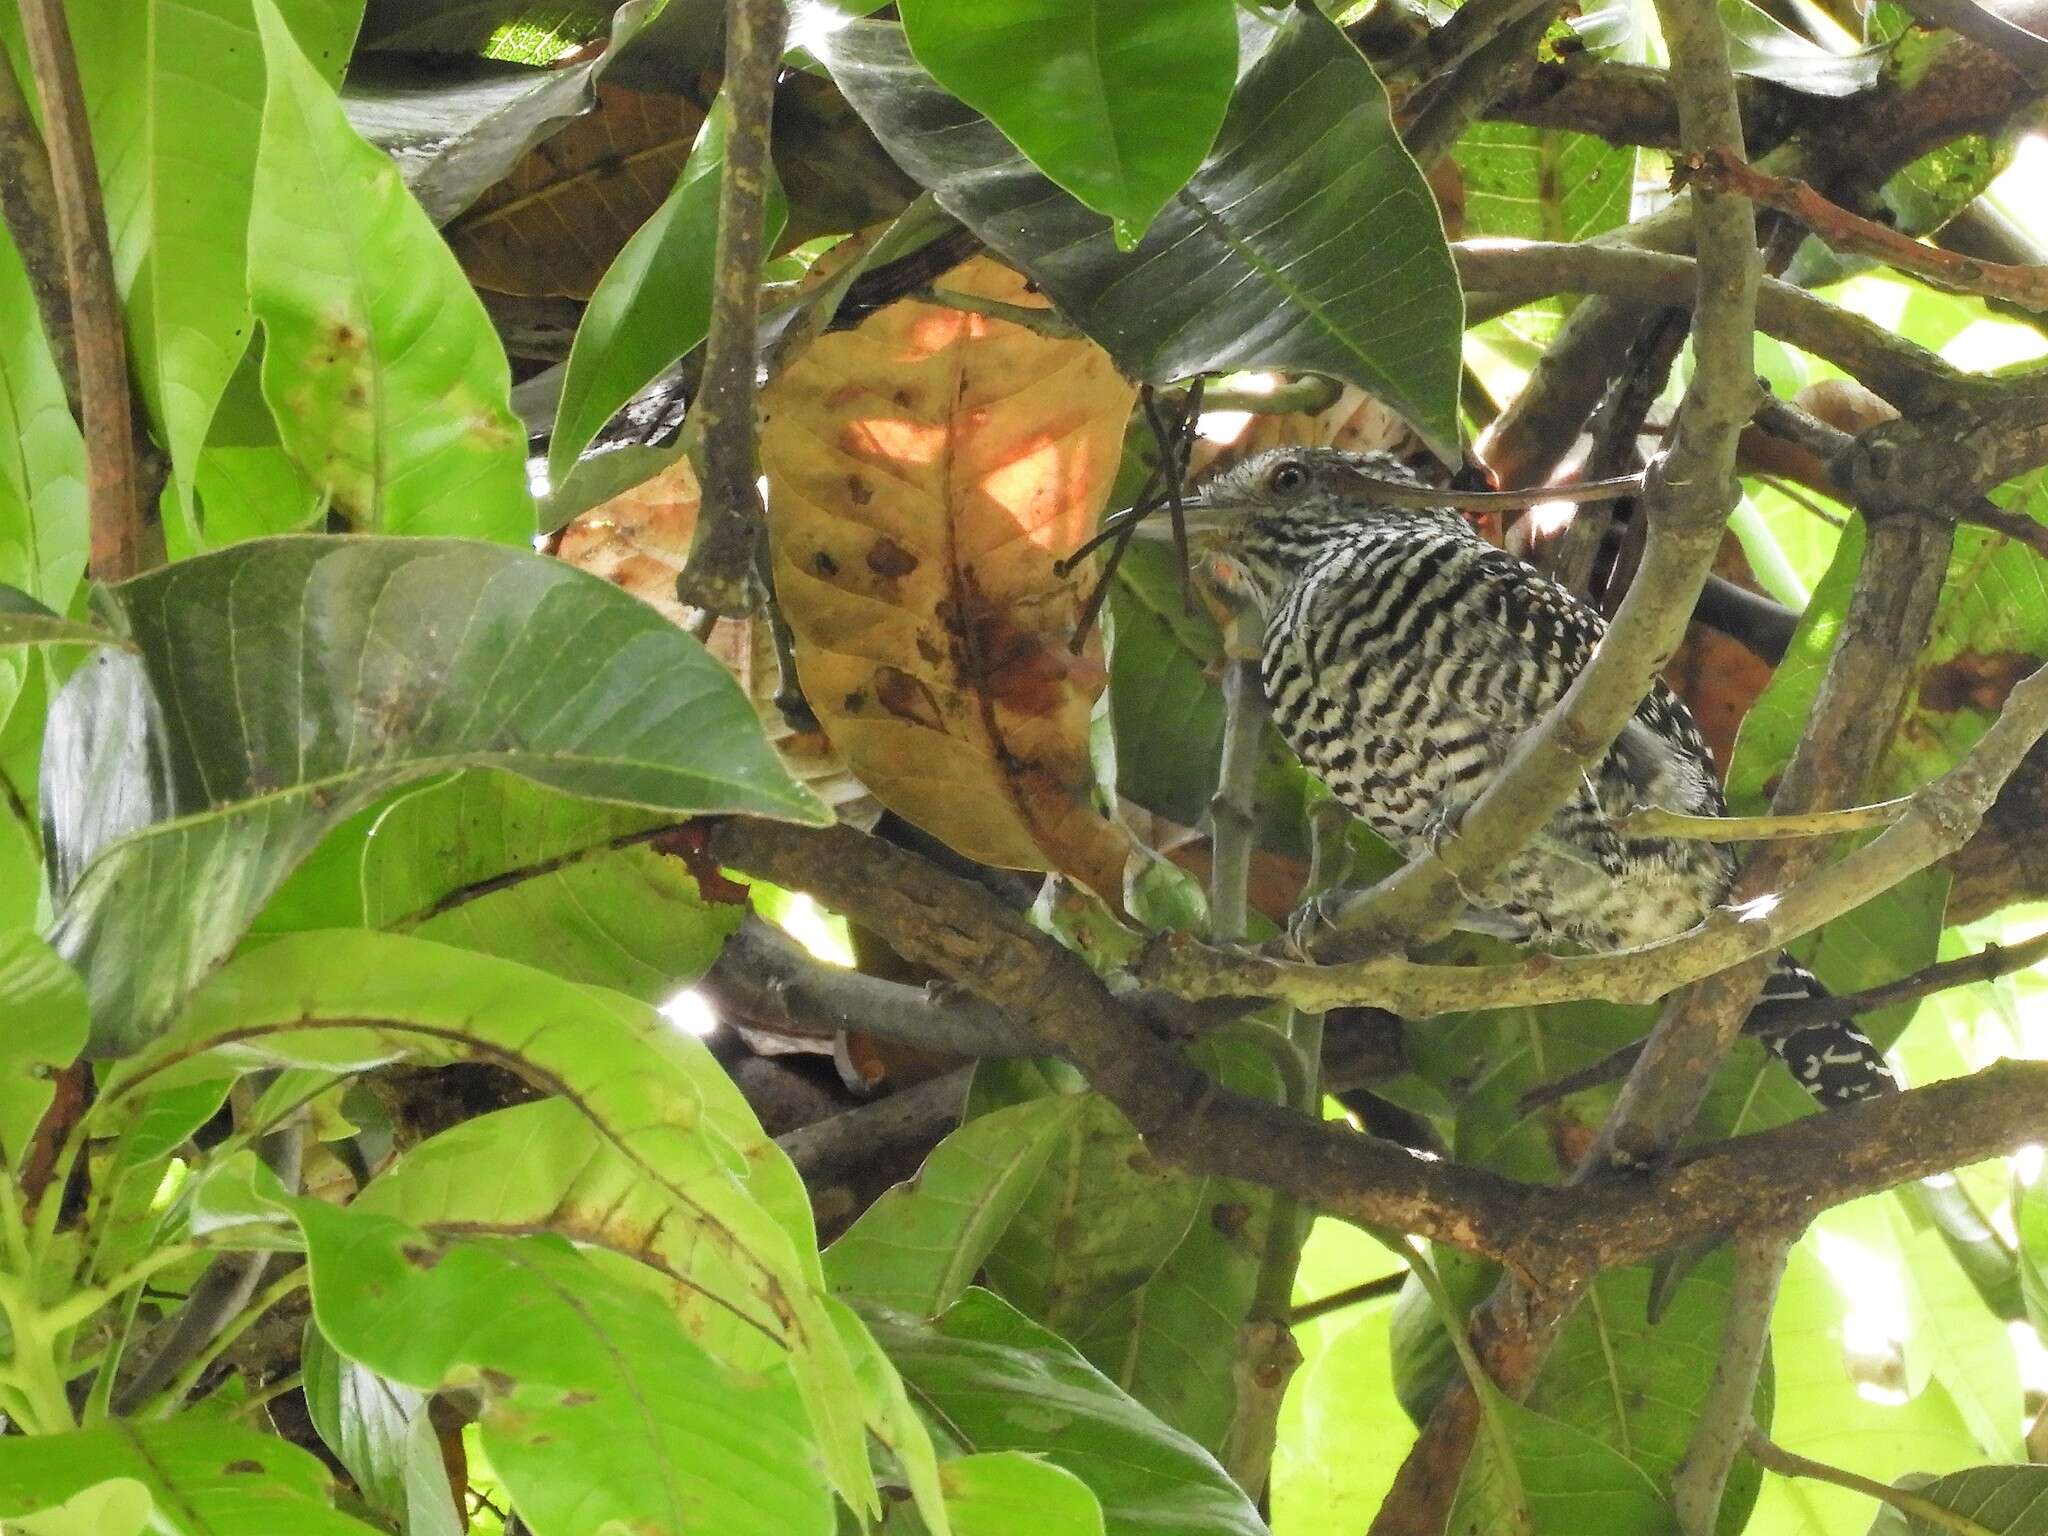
1340	1401
347	1001
2009	1500
918	1246
496	863
42	1027
545	1167
989	1379
1563	1482
1116	100
202	1477
1149	1273
389	385
597	1408
284	684
175	90
653	303
1306	240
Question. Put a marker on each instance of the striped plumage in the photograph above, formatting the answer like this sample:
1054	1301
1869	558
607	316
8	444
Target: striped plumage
1403	655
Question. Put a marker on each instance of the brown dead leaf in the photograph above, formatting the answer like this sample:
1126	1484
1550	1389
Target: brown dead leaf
926	470
1355	421
638	541
552	226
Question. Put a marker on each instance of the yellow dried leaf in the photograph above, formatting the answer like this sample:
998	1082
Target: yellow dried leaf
553	225
638	541
926	471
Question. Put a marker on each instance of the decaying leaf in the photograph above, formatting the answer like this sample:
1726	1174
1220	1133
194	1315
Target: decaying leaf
552	226
638	541
926	472
1355	420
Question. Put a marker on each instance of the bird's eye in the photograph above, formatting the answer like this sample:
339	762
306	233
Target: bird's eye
1288	478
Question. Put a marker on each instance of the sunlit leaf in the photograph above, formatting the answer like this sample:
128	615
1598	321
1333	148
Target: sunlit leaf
387	382
927	469
42	1027
2000	1501
382	1433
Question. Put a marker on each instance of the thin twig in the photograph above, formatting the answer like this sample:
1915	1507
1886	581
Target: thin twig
1786	1463
28	199
112	488
1988	964
720	575
1724	1414
1851	233
1350	1296
1656	821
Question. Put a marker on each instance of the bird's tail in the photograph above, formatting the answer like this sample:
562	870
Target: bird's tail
1834	1060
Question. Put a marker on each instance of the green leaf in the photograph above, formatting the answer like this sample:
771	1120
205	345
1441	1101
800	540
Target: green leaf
1116	100
389	386
1149	1273
42	1028
25	622
1564	1482
302	678
42	454
918	1246
346	1001
653	303
381	1432
989	1379
597	1408
495	863
1006	1493
1341	1399
1761	45
1307	240
203	1476
175	92
2007	1500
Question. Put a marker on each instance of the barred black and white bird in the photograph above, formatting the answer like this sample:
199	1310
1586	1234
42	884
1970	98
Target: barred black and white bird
1403	655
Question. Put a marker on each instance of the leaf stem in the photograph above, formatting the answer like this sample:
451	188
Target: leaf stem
1790	1464
1655	821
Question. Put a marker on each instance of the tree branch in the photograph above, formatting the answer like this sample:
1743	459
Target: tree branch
1785	1463
1724	1416
28	199
112	487
720	575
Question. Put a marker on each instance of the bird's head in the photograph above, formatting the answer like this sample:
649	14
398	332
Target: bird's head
1253	527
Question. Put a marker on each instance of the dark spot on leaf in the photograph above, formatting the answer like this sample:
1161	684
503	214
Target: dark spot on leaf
905	398
420	1256
907	698
889	559
1229	1217
243	1467
854	702
929	650
858	491
347	336
1974	680
824	564
578	1399
497	1383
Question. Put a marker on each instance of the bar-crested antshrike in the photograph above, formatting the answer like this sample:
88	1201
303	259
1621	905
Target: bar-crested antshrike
1402	656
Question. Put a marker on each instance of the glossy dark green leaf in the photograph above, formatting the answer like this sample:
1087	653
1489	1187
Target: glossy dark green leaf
2009	1500
201	1476
387	381
989	1379
1116	100
24	621
653	303
302	678
1307	239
